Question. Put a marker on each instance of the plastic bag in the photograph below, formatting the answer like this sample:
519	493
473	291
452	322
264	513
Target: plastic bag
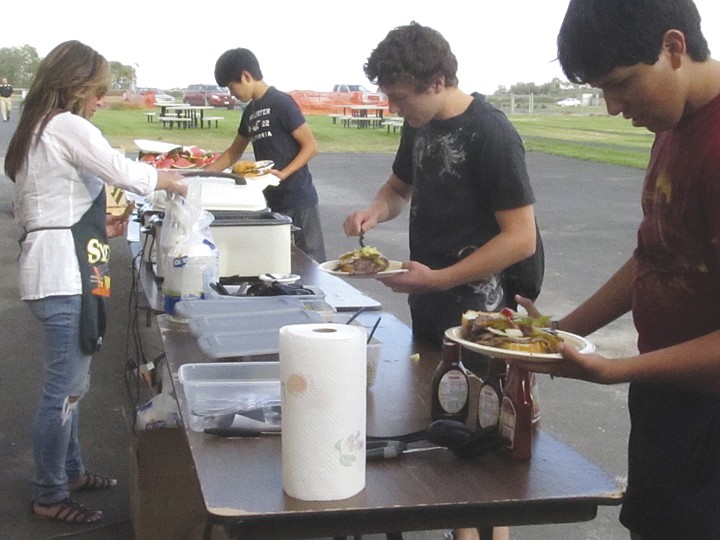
160	412
191	259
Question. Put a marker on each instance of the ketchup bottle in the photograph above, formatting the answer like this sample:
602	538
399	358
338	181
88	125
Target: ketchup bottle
450	388
491	394
516	414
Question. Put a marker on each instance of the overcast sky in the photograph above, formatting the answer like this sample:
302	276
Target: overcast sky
305	45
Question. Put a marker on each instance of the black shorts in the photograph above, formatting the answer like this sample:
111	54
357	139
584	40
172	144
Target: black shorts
673	463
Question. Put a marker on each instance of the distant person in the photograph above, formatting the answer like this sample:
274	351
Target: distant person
6	92
60	163
474	243
652	62
277	129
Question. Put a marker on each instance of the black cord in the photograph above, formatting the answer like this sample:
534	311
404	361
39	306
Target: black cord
407	438
135	359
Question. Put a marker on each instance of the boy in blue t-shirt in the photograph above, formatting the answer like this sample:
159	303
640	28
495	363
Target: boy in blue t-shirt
277	129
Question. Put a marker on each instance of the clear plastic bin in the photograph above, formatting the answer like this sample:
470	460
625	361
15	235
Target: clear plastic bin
216	391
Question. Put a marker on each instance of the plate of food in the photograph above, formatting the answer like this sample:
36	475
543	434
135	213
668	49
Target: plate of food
513	336
366	262
252	169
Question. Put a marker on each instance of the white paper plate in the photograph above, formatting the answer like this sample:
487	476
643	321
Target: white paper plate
263	168
262	181
580	343
279	278
155	147
394	268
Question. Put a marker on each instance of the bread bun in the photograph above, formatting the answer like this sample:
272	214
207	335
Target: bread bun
470	315
490	329
242	167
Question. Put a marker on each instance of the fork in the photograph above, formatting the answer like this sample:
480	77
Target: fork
361	238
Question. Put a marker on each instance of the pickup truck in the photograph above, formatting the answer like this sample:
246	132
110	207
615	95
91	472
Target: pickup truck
359	91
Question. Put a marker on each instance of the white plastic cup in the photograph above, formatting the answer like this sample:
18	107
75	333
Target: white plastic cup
373	359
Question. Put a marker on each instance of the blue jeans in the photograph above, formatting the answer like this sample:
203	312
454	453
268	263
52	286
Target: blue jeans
56	447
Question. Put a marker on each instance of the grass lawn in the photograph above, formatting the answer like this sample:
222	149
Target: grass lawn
608	139
587	134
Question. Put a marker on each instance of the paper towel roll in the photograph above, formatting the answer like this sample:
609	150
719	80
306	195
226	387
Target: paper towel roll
323	380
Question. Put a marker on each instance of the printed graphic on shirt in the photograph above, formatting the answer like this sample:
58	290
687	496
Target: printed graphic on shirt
259	124
445	153
98	256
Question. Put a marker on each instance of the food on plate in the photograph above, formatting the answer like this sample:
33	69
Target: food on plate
183	157
510	330
251	168
242	167
362	261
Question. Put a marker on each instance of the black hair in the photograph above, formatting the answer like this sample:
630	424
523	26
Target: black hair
413	54
598	36
232	63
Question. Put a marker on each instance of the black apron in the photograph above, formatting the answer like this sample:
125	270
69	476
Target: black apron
93	254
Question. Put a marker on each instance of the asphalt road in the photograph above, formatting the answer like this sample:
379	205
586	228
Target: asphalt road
587	213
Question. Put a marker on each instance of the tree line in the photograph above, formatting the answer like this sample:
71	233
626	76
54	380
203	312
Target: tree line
19	64
554	88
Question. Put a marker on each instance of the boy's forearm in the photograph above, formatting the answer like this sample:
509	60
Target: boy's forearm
390	200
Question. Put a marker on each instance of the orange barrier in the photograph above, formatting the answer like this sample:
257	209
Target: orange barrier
313	102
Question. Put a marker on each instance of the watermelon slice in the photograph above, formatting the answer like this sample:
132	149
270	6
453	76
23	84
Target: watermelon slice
183	163
194	152
164	163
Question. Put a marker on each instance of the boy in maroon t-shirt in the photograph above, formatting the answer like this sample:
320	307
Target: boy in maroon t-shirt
653	64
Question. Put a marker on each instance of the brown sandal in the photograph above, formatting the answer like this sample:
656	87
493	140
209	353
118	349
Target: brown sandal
68	511
91	482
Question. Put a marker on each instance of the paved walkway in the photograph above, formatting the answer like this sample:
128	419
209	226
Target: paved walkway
587	212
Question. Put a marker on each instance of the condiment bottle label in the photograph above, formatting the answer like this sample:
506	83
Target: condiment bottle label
488	407
535	395
508	417
453	391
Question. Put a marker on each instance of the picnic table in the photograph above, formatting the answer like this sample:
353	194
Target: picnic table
186	116
361	116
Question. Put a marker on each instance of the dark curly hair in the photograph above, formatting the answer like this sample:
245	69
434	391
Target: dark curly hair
598	36
412	54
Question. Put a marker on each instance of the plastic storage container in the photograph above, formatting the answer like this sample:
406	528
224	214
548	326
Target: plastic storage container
216	391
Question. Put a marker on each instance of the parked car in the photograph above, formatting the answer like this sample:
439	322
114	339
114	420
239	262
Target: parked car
208	94
569	102
159	95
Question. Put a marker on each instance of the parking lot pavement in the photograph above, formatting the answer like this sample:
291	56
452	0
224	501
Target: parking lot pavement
587	213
